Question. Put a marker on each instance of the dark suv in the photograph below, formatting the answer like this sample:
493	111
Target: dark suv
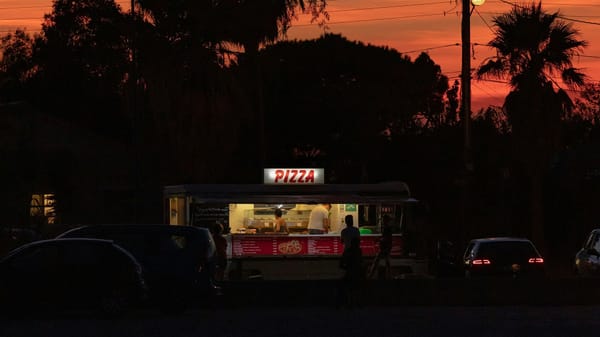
502	257
71	274
177	260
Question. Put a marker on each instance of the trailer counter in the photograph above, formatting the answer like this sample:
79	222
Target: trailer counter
296	256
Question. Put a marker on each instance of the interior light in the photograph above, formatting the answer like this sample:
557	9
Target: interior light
477	2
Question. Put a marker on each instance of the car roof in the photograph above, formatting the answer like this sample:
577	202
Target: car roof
58	240
145	228
500	239
40	242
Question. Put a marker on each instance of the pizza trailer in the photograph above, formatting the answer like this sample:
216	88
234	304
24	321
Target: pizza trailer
255	250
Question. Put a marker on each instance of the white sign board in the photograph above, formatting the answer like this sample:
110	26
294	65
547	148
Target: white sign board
294	176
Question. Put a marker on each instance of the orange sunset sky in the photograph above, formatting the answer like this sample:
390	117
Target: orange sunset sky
409	26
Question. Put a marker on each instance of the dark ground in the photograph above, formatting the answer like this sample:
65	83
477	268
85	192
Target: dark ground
451	307
438	292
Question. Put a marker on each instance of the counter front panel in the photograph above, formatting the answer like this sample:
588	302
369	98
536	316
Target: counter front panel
304	245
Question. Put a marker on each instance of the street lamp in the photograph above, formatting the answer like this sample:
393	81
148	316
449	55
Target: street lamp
466	112
466	78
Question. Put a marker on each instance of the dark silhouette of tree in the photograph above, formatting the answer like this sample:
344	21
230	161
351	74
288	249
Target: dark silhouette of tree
587	106
531	46
346	107
189	103
250	24
431	85
187	43
16	65
75	70
81	62
452	104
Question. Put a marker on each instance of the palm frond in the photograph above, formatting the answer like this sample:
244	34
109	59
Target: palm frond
493	68
573	77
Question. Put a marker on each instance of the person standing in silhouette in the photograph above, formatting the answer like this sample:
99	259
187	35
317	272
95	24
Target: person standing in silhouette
221	252
385	248
352	280
350	232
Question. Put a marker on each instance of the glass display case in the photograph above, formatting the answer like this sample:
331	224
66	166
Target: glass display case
262	218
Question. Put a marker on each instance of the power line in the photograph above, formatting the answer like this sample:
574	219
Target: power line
482	19
579	21
19	19
331	11
426	49
386	7
560	16
493	81
485	91
19	28
373	19
50	6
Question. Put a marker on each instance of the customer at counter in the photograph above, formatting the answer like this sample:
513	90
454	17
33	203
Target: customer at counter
318	221
221	252
280	224
349	233
385	247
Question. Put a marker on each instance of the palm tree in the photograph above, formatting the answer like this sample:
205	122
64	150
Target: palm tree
194	35
250	24
532	46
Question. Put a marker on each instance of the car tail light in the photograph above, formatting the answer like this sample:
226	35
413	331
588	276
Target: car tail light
536	260
481	262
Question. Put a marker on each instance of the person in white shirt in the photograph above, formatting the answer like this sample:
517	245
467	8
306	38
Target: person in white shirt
318	222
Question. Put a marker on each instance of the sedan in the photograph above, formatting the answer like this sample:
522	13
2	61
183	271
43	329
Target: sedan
71	274
502	257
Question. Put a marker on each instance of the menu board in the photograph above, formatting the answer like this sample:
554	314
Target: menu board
311	245
324	245
369	245
206	215
256	246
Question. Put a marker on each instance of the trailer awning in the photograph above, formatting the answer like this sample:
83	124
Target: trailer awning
391	192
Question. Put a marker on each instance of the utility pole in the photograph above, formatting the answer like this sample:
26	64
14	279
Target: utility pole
466	115
466	82
134	121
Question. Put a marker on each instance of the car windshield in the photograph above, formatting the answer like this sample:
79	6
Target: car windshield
507	250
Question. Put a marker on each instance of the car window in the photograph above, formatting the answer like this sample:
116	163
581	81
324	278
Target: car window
595	243
36	259
149	244
180	241
506	249
81	254
469	250
589	242
134	243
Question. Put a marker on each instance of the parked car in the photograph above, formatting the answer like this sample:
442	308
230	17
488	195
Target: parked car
71	274
178	261
587	259
502	257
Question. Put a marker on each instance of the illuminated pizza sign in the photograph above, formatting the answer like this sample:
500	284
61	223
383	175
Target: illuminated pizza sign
294	176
